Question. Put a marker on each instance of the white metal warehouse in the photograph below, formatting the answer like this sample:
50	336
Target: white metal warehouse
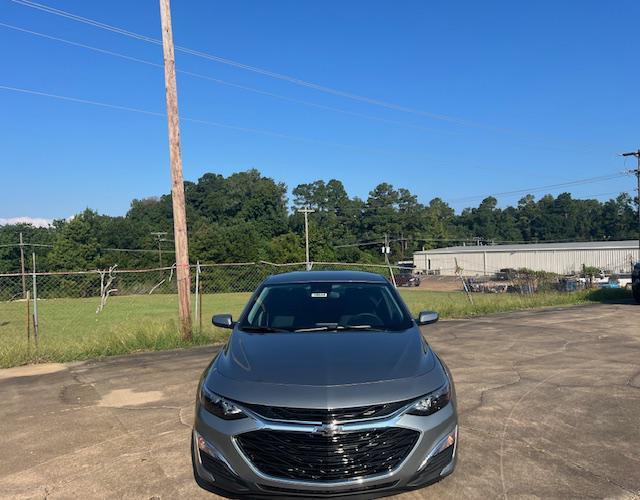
560	258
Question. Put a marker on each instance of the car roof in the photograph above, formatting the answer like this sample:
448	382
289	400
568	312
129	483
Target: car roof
325	276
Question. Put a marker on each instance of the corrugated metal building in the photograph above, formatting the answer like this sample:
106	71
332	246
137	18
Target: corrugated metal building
560	258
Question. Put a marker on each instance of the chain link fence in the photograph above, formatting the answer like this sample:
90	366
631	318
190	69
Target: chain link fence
71	315
64	316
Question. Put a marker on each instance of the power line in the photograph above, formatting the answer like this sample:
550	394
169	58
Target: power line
296	138
237	64
530	190
226	83
262	71
41	245
593	195
193	120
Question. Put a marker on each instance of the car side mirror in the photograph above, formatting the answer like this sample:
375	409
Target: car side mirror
427	317
223	320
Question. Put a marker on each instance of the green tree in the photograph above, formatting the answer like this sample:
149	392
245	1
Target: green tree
76	246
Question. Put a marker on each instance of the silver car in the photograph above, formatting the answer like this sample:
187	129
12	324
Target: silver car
326	387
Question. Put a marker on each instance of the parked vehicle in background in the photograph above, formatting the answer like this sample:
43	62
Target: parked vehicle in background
407	279
506	274
325	388
624	280
611	282
406	275
635	279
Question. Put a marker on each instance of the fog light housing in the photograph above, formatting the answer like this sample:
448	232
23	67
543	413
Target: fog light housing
446	442
205	447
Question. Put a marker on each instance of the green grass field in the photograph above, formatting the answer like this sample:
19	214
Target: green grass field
71	330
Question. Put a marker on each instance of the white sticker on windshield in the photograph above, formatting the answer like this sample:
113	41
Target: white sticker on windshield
319	295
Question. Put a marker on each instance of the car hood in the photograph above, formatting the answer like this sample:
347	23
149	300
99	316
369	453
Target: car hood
320	367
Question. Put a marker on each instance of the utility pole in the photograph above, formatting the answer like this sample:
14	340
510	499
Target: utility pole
306	211
636	172
160	236
177	182
386	250
24	281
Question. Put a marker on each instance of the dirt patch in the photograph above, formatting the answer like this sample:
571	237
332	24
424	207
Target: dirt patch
31	370
120	398
440	283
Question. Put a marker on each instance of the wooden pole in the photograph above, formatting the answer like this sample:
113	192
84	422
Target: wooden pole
386	259
177	182
306	211
24	280
464	283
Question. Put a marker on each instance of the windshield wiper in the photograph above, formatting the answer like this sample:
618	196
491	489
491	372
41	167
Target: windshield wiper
359	327
315	329
263	329
338	328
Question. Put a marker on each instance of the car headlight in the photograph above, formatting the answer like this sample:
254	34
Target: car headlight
219	406
432	402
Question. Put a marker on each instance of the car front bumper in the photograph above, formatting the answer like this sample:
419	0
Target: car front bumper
221	466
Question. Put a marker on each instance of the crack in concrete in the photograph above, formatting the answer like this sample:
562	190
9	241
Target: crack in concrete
516	367
578	466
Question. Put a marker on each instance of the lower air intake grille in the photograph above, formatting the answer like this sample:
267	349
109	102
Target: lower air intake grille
306	456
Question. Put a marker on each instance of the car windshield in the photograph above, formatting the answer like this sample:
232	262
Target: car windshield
310	307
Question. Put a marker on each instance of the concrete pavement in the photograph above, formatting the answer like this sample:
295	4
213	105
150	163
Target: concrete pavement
549	406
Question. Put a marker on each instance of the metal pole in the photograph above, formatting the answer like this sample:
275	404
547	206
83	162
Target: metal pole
200	302
36	331
24	278
638	207
198	289
177	181
28	297
636	172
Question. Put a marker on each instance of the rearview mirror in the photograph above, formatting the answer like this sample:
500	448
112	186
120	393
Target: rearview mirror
427	317
222	320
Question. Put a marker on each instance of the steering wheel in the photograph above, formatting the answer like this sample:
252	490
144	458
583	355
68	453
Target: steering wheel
364	319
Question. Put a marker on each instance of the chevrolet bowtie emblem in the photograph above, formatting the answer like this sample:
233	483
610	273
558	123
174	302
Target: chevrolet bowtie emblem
328	429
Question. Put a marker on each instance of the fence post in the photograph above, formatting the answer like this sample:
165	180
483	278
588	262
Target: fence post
199	298
198	291
27	302
35	302
24	280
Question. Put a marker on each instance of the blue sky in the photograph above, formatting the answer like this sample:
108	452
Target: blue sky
527	94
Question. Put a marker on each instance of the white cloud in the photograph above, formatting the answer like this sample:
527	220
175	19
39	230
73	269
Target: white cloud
34	221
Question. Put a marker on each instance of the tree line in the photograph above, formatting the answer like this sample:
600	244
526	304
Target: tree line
247	217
